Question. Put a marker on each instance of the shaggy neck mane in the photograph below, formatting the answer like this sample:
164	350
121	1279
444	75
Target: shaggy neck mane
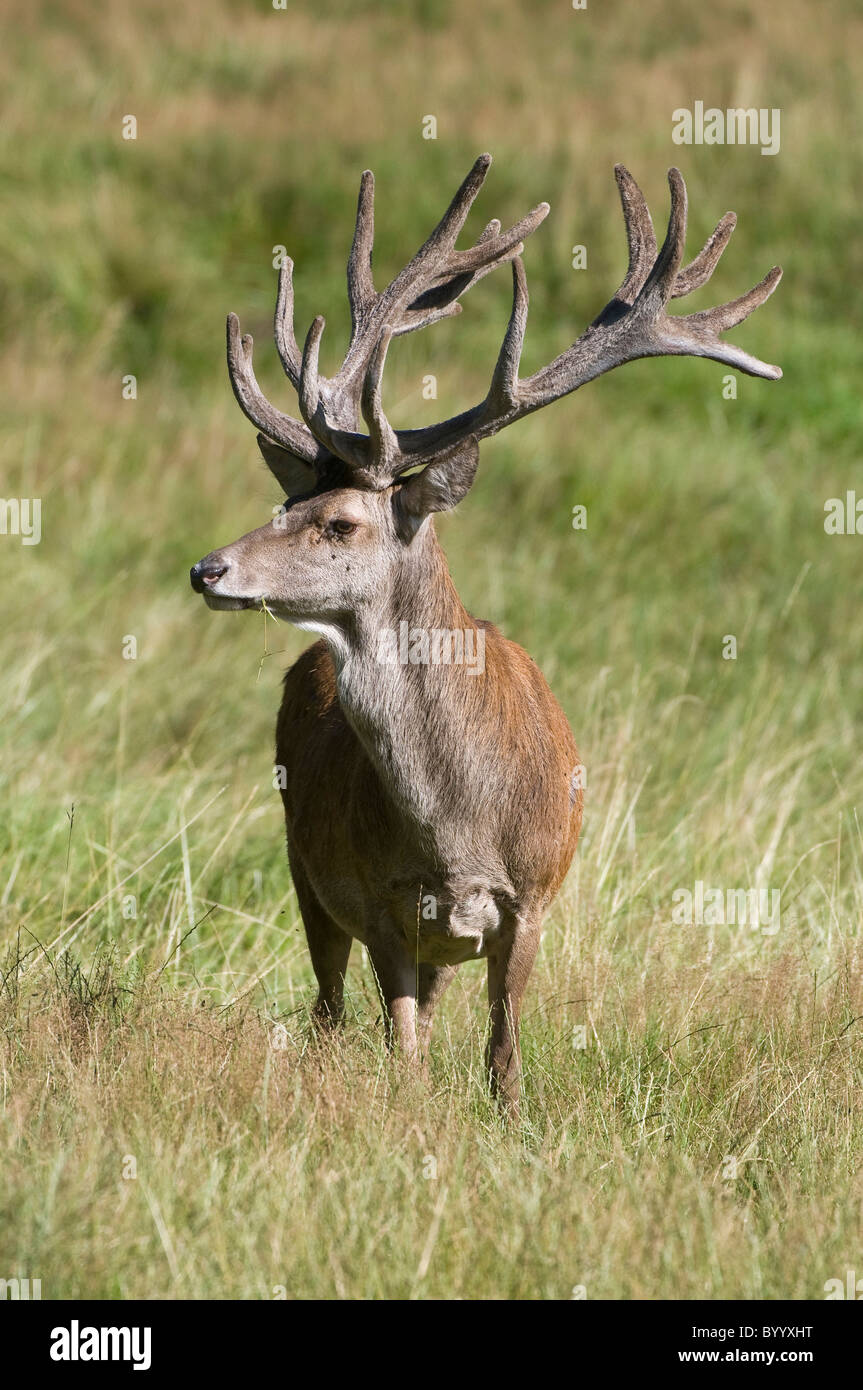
412	681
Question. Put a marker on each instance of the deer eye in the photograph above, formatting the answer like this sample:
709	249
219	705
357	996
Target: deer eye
339	527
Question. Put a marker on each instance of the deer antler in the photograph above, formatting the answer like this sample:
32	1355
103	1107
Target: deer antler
633	324
428	289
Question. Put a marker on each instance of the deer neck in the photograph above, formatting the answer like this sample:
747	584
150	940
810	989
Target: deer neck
409	668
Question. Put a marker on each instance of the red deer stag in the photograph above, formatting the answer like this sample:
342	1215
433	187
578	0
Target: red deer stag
432	805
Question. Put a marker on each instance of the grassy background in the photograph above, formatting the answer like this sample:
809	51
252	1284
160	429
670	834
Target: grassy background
260	1163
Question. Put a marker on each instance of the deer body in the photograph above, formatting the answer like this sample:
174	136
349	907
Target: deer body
432	807
430	851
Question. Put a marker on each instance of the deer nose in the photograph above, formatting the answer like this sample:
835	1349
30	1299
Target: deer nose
206	572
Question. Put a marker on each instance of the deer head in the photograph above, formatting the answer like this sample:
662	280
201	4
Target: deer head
357	503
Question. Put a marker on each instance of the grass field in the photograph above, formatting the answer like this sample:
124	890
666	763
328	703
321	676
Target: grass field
692	1125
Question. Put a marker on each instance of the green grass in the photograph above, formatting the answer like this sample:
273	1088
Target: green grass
179	1035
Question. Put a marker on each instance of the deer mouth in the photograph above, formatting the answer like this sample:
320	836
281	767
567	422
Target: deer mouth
225	601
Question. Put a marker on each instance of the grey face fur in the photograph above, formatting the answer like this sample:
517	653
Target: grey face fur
329	553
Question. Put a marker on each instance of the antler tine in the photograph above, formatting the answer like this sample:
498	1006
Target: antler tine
503	390
700	269
255	406
503	247
283	323
658	286
703	328
443	238
640	236
310	386
434	261
424	309
465	268
384	449
438	274
503	404
342	443
437	250
736	310
361	285
412	319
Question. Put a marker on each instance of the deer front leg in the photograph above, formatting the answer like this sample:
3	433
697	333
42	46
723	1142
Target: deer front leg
329	948
508	971
433	980
396	979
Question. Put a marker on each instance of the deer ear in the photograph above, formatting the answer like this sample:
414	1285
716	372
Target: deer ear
440	486
293	473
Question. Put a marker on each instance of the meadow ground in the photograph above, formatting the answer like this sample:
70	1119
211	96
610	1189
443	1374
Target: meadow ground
693	1116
